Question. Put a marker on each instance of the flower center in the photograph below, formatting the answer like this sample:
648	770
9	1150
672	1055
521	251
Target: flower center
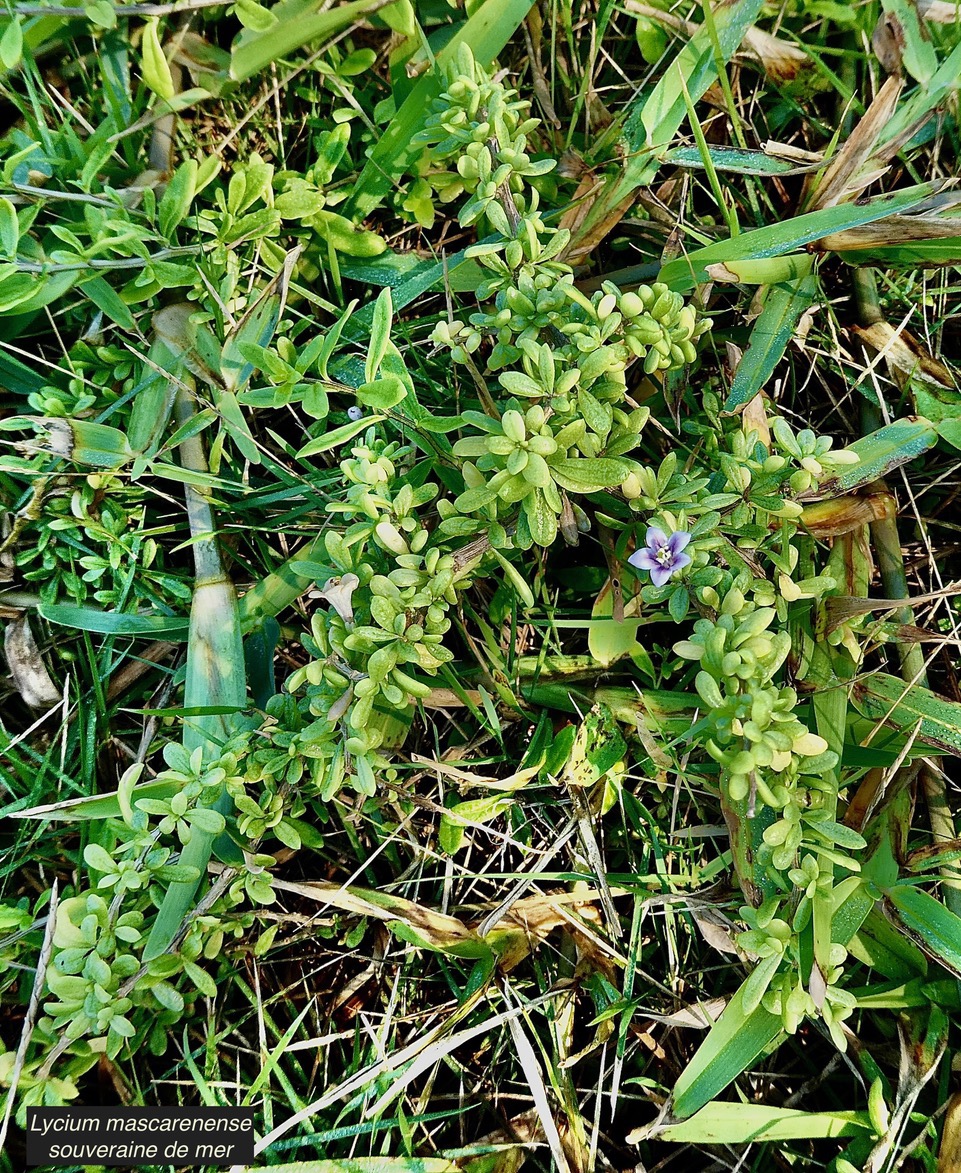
664	556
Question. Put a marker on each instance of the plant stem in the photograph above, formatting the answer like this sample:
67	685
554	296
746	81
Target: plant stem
216	675
887	545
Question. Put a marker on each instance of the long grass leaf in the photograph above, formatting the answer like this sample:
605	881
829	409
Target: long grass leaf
935	928
787	237
735	1123
887	698
171	627
732	1045
770	336
297	24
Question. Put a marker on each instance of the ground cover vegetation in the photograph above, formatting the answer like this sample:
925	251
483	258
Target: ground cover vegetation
479	578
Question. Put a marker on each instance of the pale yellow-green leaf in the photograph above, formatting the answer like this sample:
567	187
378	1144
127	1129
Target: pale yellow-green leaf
607	639
154	66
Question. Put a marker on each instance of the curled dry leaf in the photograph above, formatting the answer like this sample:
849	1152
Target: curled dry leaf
887	41
905	353
589	190
940	11
839	608
780	60
949	1154
860	160
30	676
830	519
716	930
698	1016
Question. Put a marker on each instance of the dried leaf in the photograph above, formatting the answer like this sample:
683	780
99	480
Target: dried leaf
940	11
700	1016
887	41
889	232
905	353
527	1057
847	175
715	929
754	419
780	60
514	782
583	246
839	608
442	932
830	519
512	938
792	154
445	698
30	676
949	1154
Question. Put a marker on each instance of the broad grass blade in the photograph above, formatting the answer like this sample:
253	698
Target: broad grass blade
732	1045
298	24
735	1123
775	240
887	698
170	627
770	336
926	921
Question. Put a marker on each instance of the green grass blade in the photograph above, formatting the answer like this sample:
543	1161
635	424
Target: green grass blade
18	377
95	807
917	52
297	24
408	276
880	453
887	698
879	944
770	336
910	254
935	928
775	240
925	99
171	627
735	161
734	1123
732	1045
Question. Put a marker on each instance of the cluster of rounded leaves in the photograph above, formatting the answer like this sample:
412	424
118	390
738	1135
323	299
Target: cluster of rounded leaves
103	992
562	422
771	761
386	614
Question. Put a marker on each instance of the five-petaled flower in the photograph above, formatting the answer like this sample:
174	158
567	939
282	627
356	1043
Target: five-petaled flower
338	593
662	555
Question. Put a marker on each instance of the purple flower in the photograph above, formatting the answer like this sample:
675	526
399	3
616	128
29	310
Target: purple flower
662	555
